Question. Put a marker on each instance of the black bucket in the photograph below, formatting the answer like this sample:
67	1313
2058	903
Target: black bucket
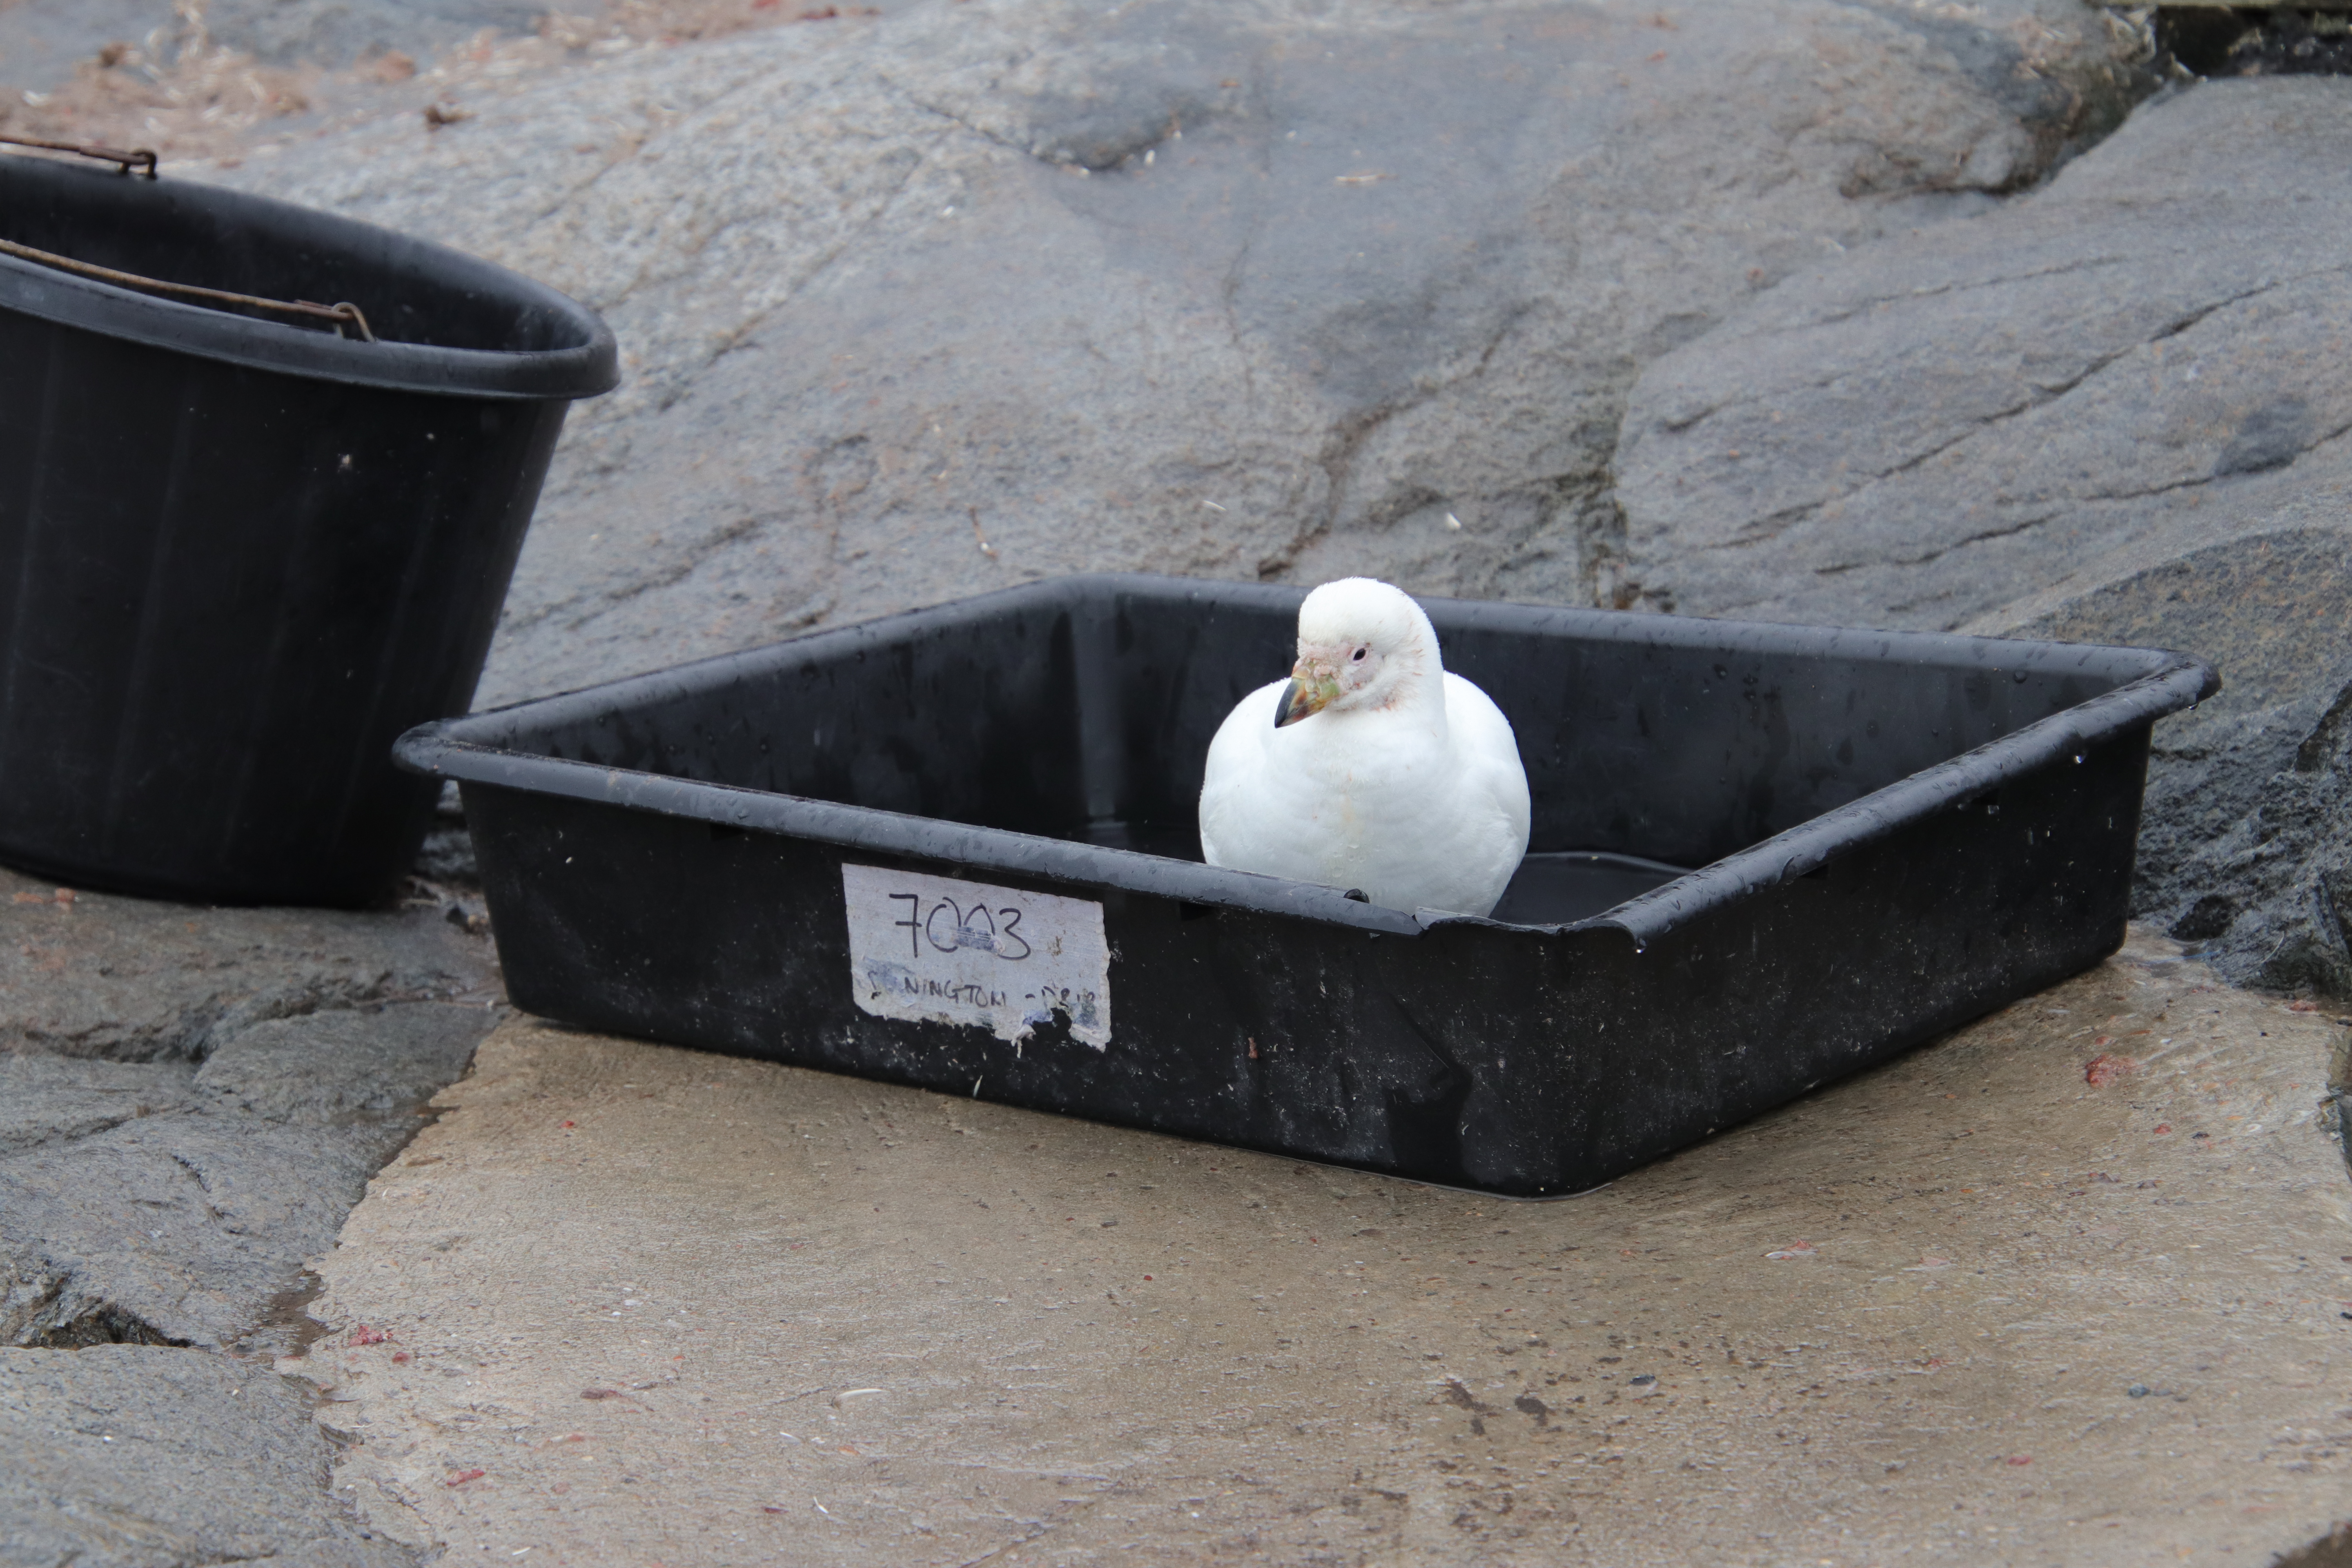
245	544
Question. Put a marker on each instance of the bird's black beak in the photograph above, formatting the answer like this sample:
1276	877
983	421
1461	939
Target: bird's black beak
1312	688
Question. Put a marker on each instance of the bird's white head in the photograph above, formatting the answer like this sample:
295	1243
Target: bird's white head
1361	645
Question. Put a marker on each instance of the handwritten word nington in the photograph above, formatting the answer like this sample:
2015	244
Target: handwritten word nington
890	977
883	977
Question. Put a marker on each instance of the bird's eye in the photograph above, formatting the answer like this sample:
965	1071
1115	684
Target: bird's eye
1357	657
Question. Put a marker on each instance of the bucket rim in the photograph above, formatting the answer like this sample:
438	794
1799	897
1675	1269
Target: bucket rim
586	368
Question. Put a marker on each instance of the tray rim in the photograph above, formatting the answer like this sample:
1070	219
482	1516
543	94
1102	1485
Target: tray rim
462	749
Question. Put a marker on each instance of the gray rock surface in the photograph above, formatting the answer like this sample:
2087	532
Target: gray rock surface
338	32
51	1099
2142	357
137	1456
177	1229
2115	410
327	1069
134	980
920	306
192	1100
2247	835
41	41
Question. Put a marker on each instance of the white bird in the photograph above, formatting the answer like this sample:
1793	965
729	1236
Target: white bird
1370	768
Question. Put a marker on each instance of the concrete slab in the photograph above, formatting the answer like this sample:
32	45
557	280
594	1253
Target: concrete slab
2066	1287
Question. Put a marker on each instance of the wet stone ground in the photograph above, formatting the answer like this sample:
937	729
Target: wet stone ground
2073	1286
190	1102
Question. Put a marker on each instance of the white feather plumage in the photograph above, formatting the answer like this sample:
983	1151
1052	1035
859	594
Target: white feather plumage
1405	781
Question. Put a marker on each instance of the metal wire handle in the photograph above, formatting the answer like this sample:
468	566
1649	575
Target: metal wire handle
142	158
340	316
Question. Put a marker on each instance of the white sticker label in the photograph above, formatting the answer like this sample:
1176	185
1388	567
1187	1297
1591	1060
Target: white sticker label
964	952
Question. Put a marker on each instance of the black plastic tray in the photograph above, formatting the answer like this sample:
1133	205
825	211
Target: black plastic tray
1895	833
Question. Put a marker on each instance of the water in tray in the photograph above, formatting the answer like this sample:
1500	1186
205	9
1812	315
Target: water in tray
1556	889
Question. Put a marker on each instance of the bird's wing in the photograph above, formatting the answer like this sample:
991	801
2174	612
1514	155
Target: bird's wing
1236	769
1483	738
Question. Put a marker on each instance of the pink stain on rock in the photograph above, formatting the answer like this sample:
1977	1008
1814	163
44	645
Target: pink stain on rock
2103	1069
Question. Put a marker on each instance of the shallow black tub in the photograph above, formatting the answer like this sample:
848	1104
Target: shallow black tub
798	853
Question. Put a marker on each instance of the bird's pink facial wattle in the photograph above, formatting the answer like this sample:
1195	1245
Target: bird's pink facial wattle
1325	674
